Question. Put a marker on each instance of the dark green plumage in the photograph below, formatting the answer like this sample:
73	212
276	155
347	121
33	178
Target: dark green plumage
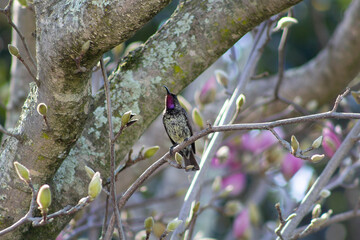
178	128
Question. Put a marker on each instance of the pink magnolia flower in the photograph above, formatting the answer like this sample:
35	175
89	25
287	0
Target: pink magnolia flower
331	140
290	165
241	224
237	181
258	141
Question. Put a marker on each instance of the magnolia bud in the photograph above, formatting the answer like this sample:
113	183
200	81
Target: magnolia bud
95	186
285	22
44	198
316	211
149	223
89	171
173	225
13	50
317	142
222	78
126	118
22	172
240	101
198	120
294	144
149	152
317	158
42	109
178	158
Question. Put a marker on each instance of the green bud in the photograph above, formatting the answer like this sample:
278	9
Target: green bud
254	213
285	22
42	109
317	158
89	171
22	171
356	96
223	153
232	208
178	158
240	101
149	223
226	191
198	120
316	211
23	3
149	152
222	78
325	193
216	186
184	103
13	50
294	144
95	186
126	118
173	225
85	47
83	200
317	142
189	167
195	207
44	198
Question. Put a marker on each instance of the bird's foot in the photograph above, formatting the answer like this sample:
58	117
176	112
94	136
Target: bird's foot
171	151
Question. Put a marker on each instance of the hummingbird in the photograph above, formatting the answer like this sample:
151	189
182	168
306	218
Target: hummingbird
178	128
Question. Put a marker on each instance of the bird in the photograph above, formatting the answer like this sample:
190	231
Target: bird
178	129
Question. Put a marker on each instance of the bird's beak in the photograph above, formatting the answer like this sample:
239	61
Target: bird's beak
168	92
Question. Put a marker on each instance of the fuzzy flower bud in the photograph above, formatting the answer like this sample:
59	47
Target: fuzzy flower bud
85	47
232	208
44	198
95	186
42	109
22	172
294	144
89	171
149	223
13	50
178	158
285	22
222	78
317	158
316	211
126	118
149	152
173	225
197	118
240	101
317	142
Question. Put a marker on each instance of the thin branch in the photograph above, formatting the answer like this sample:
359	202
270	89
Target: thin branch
299	232
339	98
112	155
321	181
27	216
4	131
282	221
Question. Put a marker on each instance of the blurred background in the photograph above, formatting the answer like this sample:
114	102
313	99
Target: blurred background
251	172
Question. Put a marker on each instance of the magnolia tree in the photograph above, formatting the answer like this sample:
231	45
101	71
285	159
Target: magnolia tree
67	152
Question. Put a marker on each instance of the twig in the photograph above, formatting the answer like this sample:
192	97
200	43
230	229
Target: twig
339	98
27	216
299	232
282	221
321	181
7	12
4	131
112	155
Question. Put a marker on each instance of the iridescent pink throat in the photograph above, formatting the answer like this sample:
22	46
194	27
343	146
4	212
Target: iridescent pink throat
170	102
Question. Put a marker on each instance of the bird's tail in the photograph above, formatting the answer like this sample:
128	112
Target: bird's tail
190	160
